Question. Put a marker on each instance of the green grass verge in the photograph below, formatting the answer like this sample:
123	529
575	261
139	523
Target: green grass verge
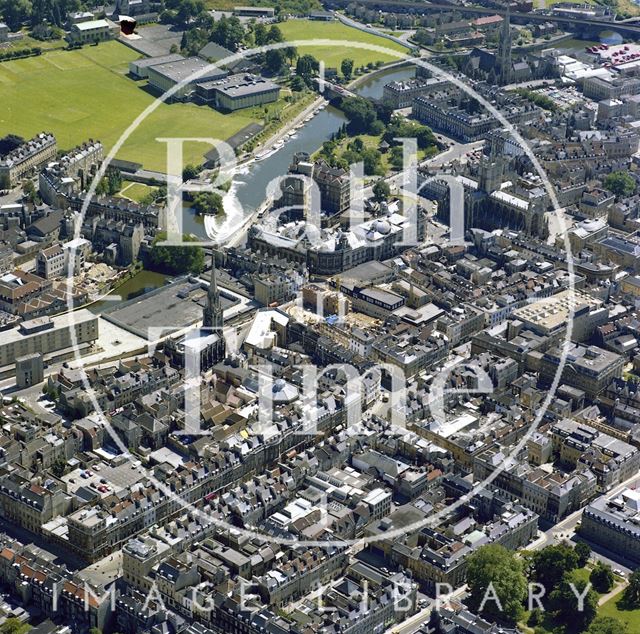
85	94
333	55
135	191
615	607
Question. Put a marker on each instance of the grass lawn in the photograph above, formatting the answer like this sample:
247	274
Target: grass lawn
333	55
29	42
550	3
85	94
614	607
627	7
610	608
134	191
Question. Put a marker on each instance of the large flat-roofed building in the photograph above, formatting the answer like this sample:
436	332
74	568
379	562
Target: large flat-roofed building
620	249
254	12
92	31
238	91
400	94
590	369
549	316
27	158
614	522
48	335
165	76
140	67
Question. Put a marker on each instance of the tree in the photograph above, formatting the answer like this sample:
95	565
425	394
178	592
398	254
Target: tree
190	172
620	183
381	190
362	116
15	12
274	61
372	162
188	10
566	604
607	625
290	54
306	67
175	260
347	68
10	143
583	550
58	468
602	577
396	157
260	34
29	191
14	625
631	595
274	36
208	203
384	111
228	32
551	563
493	571
297	83
114	181
399	128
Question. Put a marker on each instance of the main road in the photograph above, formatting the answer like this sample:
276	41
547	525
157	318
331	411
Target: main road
528	17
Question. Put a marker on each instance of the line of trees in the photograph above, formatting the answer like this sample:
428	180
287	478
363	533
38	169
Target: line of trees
498	588
16	13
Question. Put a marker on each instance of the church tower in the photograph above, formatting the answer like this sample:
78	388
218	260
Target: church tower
504	50
492	169
212	316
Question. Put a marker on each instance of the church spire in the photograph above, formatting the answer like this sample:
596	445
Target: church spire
212	317
504	49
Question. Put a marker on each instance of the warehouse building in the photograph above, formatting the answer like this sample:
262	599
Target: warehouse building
238	91
165	76
49	336
92	31
140	68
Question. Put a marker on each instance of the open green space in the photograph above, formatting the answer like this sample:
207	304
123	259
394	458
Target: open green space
616	608
29	42
135	191
285	7
86	93
332	55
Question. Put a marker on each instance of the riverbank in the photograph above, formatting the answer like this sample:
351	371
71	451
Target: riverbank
319	101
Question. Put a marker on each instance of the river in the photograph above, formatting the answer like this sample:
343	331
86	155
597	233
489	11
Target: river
251	183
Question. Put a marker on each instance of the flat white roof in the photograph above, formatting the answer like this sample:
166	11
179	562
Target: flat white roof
92	24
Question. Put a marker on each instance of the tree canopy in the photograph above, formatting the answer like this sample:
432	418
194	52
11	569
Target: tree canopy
493	571
602	577
363	118
607	625
583	550
620	183
551	563
569	607
632	591
175	260
381	190
209	203
347	68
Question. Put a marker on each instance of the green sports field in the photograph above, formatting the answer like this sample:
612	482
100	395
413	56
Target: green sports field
333	55
85	93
